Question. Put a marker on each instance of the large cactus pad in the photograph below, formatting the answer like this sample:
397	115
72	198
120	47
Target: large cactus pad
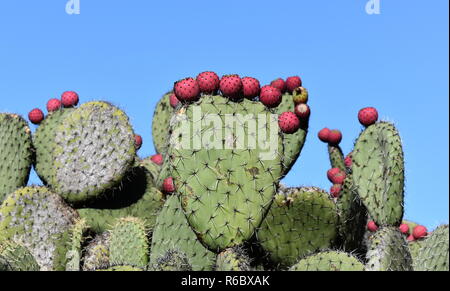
160	123
434	253
329	261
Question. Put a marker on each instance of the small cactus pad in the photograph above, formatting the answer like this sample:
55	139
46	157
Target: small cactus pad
226	184
41	221
160	124
300	221
151	167
75	243
94	148
135	196
122	268
172	232
388	251
234	259
97	253
128	243
329	261
44	142
172	260
378	173
16	153
434	253
16	257
336	157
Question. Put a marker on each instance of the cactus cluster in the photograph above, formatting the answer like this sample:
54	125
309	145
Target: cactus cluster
211	197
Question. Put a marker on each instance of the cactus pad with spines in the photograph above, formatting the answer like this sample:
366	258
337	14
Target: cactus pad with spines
96	254
16	257
172	232
233	259
336	157
128	243
122	268
329	261
94	148
172	260
226	192
300	221
388	251
434	252
378	173
160	123
16	153
76	240
41	221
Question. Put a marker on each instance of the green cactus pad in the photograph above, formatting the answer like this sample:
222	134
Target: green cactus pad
44	142
292	143
234	259
352	218
172	232
300	221
94	148
226	185
336	157
378	173
16	153
151	167
123	269
329	261
172	260
41	221
434	253
160	124
388	251
76	240
136	197
128	244
97	253
16	257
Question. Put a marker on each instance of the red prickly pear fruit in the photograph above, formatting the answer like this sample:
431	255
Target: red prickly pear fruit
270	96
324	134
372	226
419	231
36	116
187	90
292	83
53	105
335	190
69	99
157	159
280	84
410	238
137	141
368	116
332	172
302	111
288	122
334	137
173	100
231	86
168	185
404	228
300	95
250	87
348	161
208	82
336	176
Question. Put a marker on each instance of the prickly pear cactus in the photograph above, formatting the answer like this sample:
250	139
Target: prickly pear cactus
16	153
128	243
97	253
75	245
234	259
434	253
378	173
172	260
300	221
160	124
388	251
329	261
173	233
44	142
94	149
122	268
225	186
336	157
16	257
41	221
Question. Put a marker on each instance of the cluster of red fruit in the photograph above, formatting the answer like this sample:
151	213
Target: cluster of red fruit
68	99
419	231
168	186
234	87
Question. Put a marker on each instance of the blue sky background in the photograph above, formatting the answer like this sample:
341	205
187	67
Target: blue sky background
131	52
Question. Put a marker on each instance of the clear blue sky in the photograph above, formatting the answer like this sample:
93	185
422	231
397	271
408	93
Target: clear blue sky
131	52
